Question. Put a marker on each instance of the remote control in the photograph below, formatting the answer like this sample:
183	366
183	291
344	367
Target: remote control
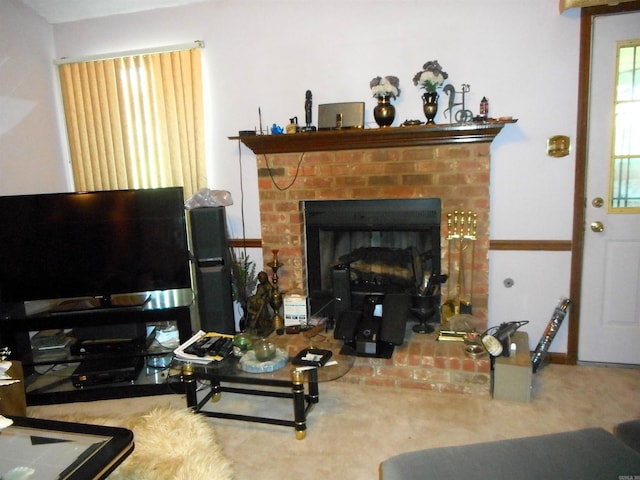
226	348
200	347
213	349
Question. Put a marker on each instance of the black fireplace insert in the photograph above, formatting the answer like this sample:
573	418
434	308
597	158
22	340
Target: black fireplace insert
359	248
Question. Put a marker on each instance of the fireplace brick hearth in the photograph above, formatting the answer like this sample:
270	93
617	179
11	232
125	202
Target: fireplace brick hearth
447	162
421	362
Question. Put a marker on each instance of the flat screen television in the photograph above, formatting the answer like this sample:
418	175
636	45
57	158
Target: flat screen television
95	244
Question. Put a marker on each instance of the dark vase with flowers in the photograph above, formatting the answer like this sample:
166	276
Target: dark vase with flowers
384	113
430	106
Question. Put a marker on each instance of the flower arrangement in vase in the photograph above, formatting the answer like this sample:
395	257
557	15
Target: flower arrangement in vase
431	77
384	89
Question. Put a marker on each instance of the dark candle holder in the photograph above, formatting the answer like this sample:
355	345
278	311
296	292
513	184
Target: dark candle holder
424	308
276	297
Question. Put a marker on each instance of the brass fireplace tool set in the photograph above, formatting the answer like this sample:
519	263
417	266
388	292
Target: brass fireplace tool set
461	235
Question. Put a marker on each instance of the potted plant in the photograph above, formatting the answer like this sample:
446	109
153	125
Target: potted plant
431	77
243	281
384	89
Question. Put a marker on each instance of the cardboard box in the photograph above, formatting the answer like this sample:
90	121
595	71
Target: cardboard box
512	375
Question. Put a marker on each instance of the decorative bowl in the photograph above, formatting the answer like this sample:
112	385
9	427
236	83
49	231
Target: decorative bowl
474	351
241	344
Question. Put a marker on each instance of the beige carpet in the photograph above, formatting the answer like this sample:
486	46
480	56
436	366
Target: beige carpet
354	428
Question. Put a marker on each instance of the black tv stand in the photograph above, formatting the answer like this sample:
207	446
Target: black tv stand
48	378
133	300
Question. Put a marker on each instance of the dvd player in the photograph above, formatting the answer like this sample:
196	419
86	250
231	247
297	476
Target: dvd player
108	370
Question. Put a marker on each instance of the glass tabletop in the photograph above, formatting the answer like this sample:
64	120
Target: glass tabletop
289	346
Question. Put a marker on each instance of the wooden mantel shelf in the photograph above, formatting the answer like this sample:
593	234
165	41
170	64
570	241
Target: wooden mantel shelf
357	139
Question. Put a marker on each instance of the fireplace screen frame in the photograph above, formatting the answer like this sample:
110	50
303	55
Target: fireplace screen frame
419	217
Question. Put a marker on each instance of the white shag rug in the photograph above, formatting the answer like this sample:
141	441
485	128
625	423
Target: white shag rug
169	444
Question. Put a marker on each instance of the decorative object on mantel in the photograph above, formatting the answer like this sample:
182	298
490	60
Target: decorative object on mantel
430	106
411	123
384	89
431	77
292	127
463	115
308	105
484	108
384	112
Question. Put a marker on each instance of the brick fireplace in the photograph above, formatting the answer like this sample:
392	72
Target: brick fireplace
449	162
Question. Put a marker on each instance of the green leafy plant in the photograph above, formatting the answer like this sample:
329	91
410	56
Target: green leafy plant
243	277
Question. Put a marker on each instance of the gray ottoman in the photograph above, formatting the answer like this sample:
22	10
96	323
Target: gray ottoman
591	453
629	433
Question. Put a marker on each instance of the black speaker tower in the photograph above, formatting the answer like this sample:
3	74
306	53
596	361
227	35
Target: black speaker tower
210	250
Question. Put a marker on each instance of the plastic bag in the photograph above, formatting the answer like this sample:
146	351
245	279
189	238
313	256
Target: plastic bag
209	198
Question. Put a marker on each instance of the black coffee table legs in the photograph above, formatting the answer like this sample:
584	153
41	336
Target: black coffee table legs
302	402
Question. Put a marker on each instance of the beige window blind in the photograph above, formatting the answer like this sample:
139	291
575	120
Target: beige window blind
136	121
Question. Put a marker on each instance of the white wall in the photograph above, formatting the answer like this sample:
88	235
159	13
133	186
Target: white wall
31	159
523	56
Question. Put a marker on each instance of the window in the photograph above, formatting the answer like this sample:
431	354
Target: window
625	164
136	121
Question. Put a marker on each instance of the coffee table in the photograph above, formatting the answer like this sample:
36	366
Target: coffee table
63	450
298	384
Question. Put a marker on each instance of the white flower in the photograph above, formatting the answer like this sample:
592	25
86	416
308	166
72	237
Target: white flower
388	86
430	77
385	89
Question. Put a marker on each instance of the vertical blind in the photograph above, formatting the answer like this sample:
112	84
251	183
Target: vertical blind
136	121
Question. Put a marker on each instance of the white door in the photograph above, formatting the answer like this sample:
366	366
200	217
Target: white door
610	297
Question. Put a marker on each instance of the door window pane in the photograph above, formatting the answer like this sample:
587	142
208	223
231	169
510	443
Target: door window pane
625	174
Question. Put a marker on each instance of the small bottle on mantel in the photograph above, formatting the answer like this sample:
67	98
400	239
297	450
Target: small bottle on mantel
292	127
484	108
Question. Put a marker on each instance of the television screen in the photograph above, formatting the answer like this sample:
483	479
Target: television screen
95	244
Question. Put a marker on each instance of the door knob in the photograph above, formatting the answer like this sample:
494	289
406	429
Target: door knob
597	227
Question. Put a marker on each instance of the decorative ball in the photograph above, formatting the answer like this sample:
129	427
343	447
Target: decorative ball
264	350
